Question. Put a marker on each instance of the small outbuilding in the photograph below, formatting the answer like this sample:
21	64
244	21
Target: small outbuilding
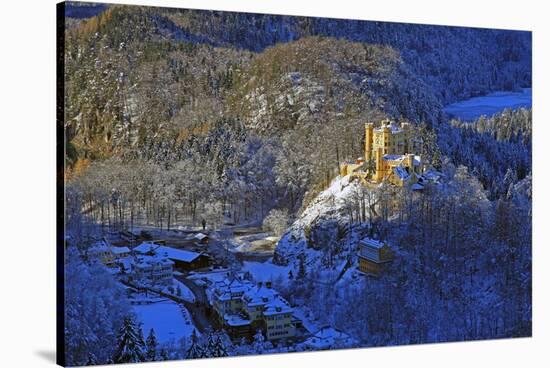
373	254
201	238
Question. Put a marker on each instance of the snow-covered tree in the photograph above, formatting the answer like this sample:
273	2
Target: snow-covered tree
276	221
195	351
131	348
93	318
219	349
152	345
259	343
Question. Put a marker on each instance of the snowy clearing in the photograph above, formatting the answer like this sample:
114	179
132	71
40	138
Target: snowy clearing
186	293
266	271
473	108
168	319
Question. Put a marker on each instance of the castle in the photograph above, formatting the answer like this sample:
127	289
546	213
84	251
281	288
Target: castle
389	156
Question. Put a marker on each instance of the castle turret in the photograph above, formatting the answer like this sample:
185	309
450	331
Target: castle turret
369	127
386	133
409	161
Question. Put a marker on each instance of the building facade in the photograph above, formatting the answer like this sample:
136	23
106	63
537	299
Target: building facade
389	155
155	270
373	255
183	260
243	308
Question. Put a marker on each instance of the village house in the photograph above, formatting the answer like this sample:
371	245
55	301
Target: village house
329	338
226	300
389	156
269	311
373	254
243	308
153	270
120	252
107	254
101	251
183	260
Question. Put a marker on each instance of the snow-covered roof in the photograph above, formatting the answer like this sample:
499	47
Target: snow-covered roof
391	157
179	254
201	236
228	289
236	320
394	128
146	247
401	172
145	262
172	253
120	250
277	306
417	160
372	243
252	295
328	337
330	332
126	262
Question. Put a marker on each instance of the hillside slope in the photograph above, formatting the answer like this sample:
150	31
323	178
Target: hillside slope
318	80
323	229
456	62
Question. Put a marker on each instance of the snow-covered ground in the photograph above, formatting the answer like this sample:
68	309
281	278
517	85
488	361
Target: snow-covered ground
473	108
200	278
266	271
168	319
326	213
304	315
261	242
186	293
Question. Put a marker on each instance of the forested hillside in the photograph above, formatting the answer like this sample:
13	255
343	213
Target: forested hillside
179	121
155	94
497	148
456	62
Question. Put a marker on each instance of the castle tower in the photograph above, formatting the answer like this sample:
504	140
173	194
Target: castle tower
386	134
379	175
409	161
369	127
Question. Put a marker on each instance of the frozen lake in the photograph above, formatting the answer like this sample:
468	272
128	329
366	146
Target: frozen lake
473	108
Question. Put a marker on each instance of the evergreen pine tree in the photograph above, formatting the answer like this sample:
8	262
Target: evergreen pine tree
219	349
151	345
164	355
258	343
141	339
208	352
130	344
195	350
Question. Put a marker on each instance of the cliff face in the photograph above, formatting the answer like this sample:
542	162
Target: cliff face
323	227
